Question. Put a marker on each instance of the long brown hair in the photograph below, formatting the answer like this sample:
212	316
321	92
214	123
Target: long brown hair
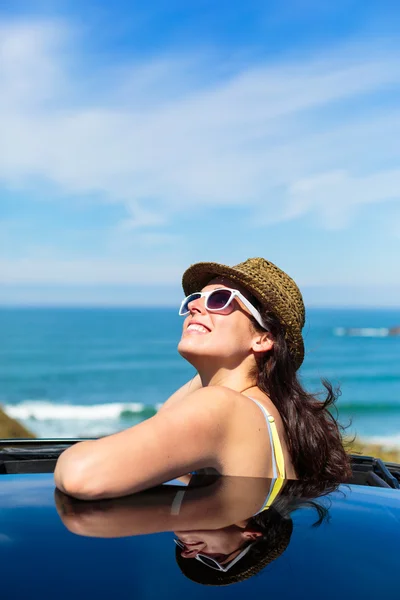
313	434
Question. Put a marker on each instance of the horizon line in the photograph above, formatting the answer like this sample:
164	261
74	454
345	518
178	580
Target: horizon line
173	306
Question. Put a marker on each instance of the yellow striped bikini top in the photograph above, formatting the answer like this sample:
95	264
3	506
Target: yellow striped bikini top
278	462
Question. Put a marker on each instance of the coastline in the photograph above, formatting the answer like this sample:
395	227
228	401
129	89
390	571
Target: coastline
365	448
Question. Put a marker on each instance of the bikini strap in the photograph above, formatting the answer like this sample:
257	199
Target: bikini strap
274	489
276	447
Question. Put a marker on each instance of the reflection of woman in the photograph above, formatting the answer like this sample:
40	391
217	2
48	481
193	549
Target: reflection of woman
226	550
245	413
257	542
225	532
209	503
267	539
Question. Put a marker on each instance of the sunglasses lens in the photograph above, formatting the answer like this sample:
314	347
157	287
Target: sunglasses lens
218	299
185	306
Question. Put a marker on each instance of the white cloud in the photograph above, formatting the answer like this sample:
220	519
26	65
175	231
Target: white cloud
336	194
156	129
316	136
139	217
86	272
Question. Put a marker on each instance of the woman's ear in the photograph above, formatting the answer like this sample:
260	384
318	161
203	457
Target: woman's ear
262	342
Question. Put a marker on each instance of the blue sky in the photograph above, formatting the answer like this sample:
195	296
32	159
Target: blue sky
138	138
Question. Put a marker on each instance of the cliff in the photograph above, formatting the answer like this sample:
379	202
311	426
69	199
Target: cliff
10	428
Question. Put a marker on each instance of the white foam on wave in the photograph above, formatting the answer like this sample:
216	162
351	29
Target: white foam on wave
362	331
44	411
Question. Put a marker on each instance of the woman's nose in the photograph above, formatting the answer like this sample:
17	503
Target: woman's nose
197	305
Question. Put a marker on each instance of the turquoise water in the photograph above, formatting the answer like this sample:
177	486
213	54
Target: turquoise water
84	372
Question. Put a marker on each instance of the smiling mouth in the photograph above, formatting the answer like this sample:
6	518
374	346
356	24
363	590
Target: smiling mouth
188	544
197	328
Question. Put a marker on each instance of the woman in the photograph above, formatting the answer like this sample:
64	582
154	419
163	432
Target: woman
246	413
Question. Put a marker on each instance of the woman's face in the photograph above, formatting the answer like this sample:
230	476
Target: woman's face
220	544
228	335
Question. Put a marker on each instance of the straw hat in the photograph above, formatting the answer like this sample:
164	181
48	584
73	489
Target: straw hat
267	551
271	286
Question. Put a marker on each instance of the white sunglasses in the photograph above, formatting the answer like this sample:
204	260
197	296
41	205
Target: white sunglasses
218	300
211	562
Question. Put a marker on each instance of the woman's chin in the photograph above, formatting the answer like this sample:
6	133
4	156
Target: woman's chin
189	347
186	348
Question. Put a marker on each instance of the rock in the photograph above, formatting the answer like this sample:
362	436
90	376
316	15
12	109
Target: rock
394	331
10	428
365	448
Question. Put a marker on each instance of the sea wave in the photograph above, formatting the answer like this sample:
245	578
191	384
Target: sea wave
346	378
369	407
49	411
48	419
362	331
116	411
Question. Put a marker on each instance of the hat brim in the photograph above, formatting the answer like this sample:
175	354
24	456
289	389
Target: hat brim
200	274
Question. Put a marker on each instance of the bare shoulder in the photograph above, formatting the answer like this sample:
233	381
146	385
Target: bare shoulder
209	403
215	410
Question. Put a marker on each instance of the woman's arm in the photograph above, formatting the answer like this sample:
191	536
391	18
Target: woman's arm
226	501
188	436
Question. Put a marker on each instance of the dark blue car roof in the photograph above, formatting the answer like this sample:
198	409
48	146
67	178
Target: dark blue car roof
352	554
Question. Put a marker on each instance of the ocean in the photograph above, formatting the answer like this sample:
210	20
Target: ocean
69	372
